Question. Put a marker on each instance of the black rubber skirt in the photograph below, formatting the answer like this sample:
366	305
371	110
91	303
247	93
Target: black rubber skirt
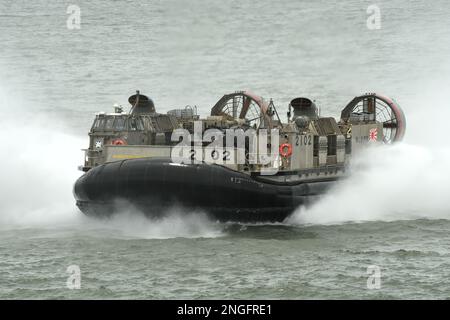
152	185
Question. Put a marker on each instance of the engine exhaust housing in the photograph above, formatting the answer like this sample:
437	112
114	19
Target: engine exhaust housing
304	107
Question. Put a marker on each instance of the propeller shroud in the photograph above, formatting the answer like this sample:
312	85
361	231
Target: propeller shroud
243	105
385	110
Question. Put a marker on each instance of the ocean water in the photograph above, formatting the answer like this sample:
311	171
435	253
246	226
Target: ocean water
382	234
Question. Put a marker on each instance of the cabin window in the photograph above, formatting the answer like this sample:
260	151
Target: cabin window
101	123
140	124
119	124
146	122
96	124
332	145
132	124
135	124
109	123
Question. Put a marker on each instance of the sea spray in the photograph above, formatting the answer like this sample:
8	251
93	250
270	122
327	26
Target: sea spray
39	168
407	180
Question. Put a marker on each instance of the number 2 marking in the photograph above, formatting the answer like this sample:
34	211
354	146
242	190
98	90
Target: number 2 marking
303	140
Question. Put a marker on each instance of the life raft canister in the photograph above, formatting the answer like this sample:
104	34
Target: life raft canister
286	150
119	142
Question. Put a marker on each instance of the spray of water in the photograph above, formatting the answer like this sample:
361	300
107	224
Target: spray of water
387	183
37	172
408	180
38	166
404	181
175	222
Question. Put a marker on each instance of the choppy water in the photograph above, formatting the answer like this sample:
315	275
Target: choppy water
394	213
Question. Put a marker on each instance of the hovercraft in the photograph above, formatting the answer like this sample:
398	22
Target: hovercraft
241	163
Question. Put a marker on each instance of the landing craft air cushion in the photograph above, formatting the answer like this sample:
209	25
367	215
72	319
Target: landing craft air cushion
139	159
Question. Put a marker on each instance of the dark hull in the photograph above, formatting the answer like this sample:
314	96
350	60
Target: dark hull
153	185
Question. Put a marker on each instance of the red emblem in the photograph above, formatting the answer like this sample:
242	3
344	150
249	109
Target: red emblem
373	134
